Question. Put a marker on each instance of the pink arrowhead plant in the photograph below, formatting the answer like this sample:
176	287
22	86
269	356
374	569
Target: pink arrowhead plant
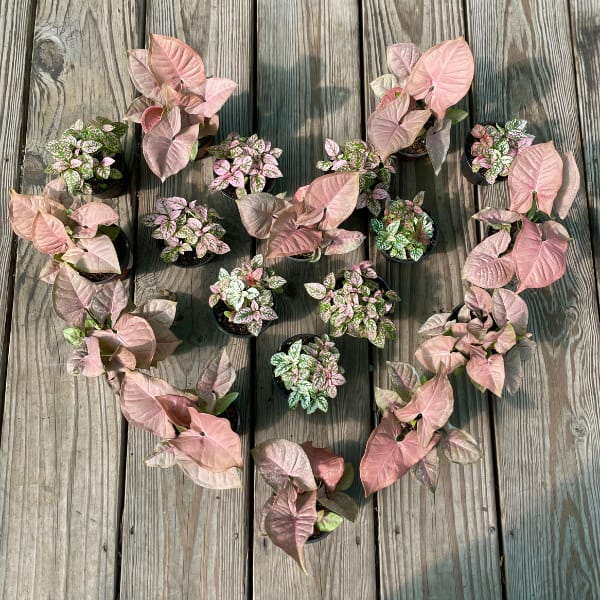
417	95
308	498
179	104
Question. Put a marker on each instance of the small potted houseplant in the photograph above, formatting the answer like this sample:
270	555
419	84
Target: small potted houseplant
309	499
416	108
405	232
357	304
490	150
89	158
244	165
306	369
375	173
178	106
88	238
189	231
242	301
306	226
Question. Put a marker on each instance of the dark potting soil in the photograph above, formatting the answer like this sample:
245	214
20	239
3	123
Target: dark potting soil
234	328
189	259
418	147
232	415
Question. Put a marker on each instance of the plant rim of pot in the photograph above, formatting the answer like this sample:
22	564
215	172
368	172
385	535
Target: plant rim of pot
118	186
125	256
221	327
466	163
189	262
229	191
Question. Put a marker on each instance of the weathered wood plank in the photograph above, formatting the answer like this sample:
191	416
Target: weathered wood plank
442	545
60	452
309	89
547	434
179	540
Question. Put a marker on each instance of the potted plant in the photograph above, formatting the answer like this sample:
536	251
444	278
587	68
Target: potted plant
416	109
375	173
109	332
529	246
307	225
197	440
413	429
308	497
190	233
306	369
244	165
87	237
356	303
405	232
179	104
89	158
490	150
487	336
242	301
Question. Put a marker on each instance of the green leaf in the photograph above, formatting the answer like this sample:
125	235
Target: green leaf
456	115
74	335
347	478
103	172
328	521
116	174
222	404
72	181
315	290
194	152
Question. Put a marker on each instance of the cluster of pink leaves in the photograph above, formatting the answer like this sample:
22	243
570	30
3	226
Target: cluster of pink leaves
178	105
309	223
70	235
540	181
308	484
413	427
439	78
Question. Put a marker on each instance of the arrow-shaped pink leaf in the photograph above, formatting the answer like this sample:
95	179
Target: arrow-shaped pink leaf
570	186
326	466
487	372
288	239
174	63
485	267
142	77
72	295
401	58
49	235
94	255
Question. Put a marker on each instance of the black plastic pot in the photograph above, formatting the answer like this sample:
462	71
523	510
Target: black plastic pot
233	329
188	260
466	164
300	258
230	190
318	536
116	187
204	143
232	414
284	347
432	245
404	155
123	250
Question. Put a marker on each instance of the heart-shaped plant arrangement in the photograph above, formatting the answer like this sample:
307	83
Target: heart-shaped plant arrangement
308	224
417	96
83	237
308	493
179	104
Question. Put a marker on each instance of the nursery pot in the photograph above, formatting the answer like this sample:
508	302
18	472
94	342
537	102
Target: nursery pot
300	258
284	347
204	143
230	190
467	162
188	260
234	329
415	151
114	187
318	536
232	414
123	250
432	245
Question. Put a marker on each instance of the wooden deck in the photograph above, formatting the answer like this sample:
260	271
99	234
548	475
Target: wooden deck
81	516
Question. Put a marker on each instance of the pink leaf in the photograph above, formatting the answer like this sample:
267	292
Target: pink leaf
23	209
435	325
436	355
427	470
90	215
49	235
326	466
487	373
137	108
536	169
330	200
460	447
151	117
94	255
216	92
401	58
110	301
174	63
392	128
168	146
287	239
207	478
86	359
540	254
257	212
140	406
157	310
478	300
442	76
570	185
485	267
437	142
387	399
177	408
210	442
341	241
390	454
497	216
217	378
140	74
279	460
49	271
509	306
434	401
72	295
290	521
404	377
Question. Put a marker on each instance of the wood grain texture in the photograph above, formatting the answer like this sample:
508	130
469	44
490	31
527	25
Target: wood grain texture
17	21
442	545
179	540
308	89
59	463
547	434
